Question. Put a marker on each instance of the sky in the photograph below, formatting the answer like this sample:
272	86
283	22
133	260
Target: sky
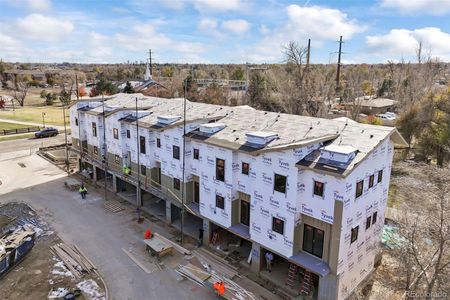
221	31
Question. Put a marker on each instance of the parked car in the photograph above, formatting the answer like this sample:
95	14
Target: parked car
391	114
385	117
46	132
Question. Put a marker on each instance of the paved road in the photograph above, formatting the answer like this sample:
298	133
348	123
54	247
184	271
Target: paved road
31	143
101	235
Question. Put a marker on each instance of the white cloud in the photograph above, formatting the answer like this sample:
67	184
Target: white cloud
437	7
206	24
403	43
144	36
322	23
31	5
218	5
318	23
41	28
237	26
99	47
11	48
263	29
39	5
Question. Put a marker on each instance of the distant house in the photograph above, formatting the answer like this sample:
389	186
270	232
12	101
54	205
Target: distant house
147	85
34	74
371	106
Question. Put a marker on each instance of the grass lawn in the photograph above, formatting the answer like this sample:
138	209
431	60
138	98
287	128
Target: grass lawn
53	114
7	126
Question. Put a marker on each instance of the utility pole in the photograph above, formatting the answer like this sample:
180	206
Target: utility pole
138	151
184	163
65	138
308	53
338	73
76	84
150	61
104	146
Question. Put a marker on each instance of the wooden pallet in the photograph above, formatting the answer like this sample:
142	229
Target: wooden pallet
113	206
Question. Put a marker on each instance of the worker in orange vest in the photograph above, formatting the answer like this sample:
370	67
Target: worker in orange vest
220	288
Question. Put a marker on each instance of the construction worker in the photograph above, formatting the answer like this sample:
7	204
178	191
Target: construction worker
200	237
83	191
219	287
269	261
126	170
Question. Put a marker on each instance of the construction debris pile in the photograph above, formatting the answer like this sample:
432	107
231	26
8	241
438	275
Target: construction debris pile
14	246
74	260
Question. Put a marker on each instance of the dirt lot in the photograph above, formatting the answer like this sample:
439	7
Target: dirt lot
41	271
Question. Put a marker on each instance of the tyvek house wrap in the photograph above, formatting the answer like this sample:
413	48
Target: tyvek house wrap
210	186
356	259
267	203
173	137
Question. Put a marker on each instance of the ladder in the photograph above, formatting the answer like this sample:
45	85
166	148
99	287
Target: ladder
292	275
215	238
306	283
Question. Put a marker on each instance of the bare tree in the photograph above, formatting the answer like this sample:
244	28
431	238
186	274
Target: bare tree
424	246
301	98
21	87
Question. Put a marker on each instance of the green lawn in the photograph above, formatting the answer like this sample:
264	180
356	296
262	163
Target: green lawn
6	126
53	114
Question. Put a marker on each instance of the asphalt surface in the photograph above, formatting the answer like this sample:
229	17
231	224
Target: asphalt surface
31	143
100	234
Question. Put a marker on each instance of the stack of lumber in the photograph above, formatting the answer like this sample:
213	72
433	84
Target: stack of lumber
175	245
74	260
193	273
216	263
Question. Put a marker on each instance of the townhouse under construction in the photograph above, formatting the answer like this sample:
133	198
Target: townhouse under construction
311	191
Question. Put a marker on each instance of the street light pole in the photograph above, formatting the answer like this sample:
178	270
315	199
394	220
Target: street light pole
138	151
105	154
65	137
184	163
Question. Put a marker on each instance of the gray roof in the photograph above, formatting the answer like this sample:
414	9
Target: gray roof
293	131
373	102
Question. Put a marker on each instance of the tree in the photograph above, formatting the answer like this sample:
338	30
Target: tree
367	88
21	87
105	87
65	96
82	91
424	247
128	88
429	123
238	74
167	71
43	94
301	97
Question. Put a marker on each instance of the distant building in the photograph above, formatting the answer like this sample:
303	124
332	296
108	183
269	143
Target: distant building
370	105
147	85
34	74
312	192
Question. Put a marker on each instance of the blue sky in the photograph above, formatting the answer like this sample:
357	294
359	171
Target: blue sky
220	31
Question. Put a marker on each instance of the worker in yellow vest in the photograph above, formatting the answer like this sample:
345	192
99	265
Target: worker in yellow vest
126	170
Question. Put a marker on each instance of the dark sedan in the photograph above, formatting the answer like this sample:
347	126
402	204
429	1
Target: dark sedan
46	132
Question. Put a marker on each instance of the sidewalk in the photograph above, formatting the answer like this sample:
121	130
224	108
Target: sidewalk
31	123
